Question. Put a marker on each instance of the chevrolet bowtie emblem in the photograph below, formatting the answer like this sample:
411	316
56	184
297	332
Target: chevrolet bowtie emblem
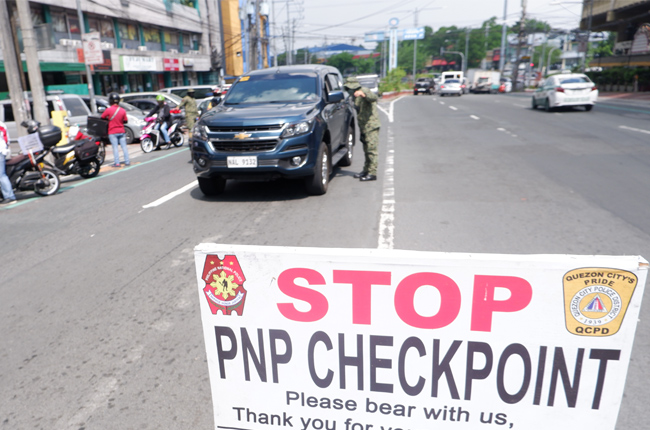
242	136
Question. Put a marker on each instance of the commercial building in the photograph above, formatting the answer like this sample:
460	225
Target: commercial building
630	20
146	44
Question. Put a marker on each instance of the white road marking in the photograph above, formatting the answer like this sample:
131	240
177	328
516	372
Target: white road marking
638	130
474	117
518	105
387	216
389	113
171	195
453	108
442	103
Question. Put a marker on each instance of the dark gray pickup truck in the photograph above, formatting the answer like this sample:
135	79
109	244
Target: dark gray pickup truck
289	121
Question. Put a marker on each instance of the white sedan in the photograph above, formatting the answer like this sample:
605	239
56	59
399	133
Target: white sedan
566	89
451	86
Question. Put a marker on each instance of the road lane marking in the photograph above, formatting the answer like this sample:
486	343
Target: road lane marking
89	180
442	103
638	130
453	108
474	117
389	113
387	216
171	195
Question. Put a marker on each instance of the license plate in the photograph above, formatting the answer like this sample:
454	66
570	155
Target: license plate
576	99
238	162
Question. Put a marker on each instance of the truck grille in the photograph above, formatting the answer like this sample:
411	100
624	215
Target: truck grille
244	146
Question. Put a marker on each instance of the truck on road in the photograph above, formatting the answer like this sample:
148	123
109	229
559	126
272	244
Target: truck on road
483	81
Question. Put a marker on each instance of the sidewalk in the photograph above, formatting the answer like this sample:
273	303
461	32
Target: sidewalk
645	96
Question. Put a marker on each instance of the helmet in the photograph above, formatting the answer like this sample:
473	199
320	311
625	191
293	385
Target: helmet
31	125
352	83
190	91
113	98
160	98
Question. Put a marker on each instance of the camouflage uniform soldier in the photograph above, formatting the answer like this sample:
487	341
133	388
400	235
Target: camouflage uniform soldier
365	101
191	111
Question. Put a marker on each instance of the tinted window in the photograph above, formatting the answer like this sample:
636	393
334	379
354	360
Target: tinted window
575	80
334	84
75	106
9	113
452	81
274	88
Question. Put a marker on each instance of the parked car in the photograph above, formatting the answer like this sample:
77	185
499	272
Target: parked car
200	91
172	99
566	89
133	128
369	81
289	121
424	86
451	87
72	104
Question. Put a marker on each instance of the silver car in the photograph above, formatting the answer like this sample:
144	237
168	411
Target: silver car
451	87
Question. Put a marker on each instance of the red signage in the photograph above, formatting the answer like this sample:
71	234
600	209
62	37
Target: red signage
171	65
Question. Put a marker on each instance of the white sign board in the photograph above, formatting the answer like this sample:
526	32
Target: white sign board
93	48
343	339
30	143
412	34
135	63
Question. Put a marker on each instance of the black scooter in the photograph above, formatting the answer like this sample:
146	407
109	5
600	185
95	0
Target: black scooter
28	172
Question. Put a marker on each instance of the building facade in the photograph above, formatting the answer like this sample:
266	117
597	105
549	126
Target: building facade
146	44
630	20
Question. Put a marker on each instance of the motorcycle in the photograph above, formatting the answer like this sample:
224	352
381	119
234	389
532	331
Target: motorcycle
28	172
151	138
75	133
79	156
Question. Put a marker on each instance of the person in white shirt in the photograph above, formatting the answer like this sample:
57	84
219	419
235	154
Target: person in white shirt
5	184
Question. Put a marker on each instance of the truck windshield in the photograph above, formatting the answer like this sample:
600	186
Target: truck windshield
274	88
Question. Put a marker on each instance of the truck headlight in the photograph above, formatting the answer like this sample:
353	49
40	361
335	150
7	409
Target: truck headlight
298	128
200	132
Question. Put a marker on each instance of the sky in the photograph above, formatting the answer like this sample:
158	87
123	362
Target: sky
326	22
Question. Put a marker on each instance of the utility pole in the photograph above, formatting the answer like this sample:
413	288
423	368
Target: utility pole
11	69
502	56
591	12
89	75
33	67
522	34
415	44
466	58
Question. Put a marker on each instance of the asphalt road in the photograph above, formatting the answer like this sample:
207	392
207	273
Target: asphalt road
99	309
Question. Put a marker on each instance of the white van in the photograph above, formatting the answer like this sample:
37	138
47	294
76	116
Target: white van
72	104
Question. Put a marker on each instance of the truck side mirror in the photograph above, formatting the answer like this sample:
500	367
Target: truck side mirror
335	96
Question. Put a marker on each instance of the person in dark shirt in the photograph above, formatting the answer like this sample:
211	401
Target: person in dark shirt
164	116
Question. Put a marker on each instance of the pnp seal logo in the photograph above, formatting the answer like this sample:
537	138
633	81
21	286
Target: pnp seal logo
596	299
224	284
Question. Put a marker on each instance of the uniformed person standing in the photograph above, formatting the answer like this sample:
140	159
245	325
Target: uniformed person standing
365	102
191	111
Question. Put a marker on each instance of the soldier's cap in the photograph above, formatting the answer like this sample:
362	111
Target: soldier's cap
352	83
190	90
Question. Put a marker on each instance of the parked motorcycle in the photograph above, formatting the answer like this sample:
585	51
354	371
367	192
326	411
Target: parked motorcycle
75	133
28	172
151	138
79	156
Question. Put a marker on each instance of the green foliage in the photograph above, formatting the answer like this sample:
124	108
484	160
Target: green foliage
347	65
393	81
621	76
